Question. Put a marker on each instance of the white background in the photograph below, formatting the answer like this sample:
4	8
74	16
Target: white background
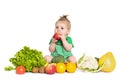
95	31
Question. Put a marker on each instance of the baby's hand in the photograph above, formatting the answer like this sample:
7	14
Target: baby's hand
54	40
63	37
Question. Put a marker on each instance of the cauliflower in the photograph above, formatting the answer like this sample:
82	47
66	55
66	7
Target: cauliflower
88	62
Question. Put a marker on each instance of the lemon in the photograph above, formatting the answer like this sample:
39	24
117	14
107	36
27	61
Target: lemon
109	62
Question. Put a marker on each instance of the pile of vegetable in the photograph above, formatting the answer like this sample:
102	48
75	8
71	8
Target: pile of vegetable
29	58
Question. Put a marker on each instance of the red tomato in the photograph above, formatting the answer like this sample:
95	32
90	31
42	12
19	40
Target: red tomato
20	70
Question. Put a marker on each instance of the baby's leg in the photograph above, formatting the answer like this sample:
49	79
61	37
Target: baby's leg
48	58
72	59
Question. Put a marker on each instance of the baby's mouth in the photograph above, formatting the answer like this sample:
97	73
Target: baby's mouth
59	33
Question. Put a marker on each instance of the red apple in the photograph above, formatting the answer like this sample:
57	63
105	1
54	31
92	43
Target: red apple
56	36
50	68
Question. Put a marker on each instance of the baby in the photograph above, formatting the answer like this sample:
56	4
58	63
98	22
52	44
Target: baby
63	45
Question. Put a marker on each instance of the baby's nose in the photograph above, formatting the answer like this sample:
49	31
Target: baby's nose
58	31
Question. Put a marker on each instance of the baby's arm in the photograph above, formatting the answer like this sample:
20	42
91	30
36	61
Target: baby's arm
52	45
66	45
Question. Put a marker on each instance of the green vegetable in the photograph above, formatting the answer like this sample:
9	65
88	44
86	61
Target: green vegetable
9	68
28	58
58	59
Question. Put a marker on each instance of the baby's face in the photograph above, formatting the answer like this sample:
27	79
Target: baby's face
61	27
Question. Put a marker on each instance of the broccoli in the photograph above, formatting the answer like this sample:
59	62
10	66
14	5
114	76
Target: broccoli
58	59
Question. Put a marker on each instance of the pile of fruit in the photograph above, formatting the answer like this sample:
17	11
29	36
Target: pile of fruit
51	68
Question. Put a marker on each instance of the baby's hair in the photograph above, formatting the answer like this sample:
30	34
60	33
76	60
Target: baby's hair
64	18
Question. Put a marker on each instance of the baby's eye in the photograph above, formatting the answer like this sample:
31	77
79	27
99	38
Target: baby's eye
56	27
